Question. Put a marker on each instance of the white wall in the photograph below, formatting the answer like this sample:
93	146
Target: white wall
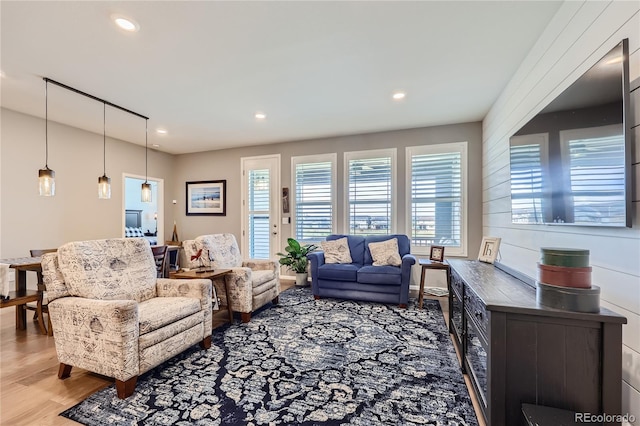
75	212
578	36
225	164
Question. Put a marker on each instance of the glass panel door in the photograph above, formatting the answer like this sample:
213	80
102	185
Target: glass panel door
261	207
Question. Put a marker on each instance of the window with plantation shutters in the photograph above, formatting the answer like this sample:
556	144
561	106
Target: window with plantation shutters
529	161
370	205
314	180
436	197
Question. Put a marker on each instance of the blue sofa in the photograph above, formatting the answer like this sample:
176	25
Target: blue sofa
360	280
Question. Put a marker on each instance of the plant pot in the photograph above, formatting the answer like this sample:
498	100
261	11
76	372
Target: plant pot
301	279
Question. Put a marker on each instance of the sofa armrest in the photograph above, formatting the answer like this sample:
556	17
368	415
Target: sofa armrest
261	264
408	260
316	259
200	289
97	335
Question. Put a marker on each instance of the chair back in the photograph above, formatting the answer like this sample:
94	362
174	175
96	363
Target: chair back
219	250
160	257
113	269
39	253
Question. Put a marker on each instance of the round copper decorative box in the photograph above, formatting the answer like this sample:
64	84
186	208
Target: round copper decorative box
564	276
576	258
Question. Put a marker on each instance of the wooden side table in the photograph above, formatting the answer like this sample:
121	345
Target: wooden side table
429	264
209	275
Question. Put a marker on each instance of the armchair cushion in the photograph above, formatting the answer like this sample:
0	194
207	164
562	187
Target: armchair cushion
261	276
115	269
160	311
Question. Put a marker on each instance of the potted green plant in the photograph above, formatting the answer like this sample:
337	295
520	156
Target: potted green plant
295	259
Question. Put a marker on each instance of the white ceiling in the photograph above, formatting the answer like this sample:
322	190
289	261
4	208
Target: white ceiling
317	69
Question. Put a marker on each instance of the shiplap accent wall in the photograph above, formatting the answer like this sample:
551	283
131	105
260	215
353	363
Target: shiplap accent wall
577	37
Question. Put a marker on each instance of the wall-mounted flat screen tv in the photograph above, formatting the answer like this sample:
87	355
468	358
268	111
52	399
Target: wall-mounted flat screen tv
571	163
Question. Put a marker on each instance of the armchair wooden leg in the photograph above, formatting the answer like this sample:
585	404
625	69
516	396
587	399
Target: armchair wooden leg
316	297
206	343
125	389
402	306
64	371
275	300
49	325
246	316
43	329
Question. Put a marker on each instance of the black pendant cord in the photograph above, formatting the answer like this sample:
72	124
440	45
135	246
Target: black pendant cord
146	150
46	125
104	139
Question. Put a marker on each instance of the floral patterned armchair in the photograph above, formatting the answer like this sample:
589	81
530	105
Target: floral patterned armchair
252	283
113	316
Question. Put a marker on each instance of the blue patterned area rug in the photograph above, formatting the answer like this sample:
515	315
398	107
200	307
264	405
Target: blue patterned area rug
304	362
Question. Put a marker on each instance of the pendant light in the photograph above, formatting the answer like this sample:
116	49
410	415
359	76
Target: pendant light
146	186
46	176
104	182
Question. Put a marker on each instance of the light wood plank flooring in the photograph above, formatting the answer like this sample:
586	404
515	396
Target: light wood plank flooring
30	391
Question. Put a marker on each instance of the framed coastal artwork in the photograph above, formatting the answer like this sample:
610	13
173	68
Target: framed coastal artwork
207	198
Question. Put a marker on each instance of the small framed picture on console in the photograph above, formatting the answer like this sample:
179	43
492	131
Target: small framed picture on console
437	253
489	249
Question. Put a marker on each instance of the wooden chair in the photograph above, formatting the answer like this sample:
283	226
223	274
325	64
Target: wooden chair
160	256
41	309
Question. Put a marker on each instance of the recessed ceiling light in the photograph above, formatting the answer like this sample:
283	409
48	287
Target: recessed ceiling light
399	95
260	115
155	145
126	24
161	131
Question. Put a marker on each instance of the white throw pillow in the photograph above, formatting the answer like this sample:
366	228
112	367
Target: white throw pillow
336	251
385	253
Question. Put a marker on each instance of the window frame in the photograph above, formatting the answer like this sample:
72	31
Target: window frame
309	159
463	149
363	155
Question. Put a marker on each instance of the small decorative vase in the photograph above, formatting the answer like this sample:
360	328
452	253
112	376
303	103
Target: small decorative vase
301	279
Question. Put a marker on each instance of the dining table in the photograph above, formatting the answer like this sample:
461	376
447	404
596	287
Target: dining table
20	295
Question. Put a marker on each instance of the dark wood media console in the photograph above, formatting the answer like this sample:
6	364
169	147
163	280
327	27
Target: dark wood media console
516	351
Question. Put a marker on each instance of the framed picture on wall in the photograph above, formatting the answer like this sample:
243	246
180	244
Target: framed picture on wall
436	254
207	198
489	249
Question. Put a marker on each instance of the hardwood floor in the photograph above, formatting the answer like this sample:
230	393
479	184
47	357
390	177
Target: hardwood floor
30	391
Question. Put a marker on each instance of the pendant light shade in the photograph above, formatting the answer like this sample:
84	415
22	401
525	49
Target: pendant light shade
47	182
146	186
104	182
146	192
104	187
46	176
